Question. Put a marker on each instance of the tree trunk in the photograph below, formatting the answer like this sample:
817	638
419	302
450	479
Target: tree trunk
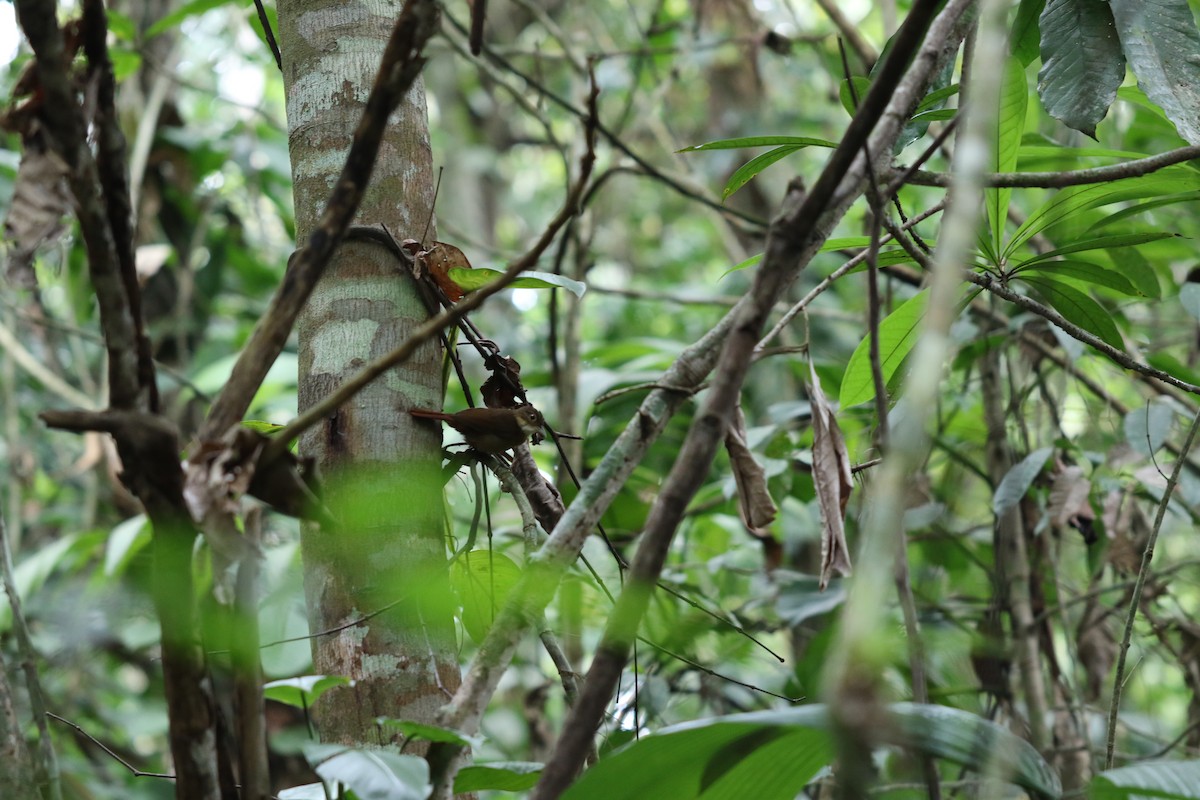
381	471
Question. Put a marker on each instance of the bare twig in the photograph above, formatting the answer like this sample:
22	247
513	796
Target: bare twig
1136	600
1059	180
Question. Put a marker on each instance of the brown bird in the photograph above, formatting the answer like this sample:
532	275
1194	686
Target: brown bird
490	430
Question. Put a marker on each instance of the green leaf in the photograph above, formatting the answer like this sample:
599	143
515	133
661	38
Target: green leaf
1082	65
191	9
745	173
935	99
1160	39
850	100
1070	201
500	776
33	570
302	692
1189	297
1137	270
1085	271
1142	208
372	774
772	755
1024	38
429	733
471	279
1098	243
1010	125
897	335
759	141
1077	308
749	262
1163	779
1018	479
1147	427
125	63
482	579
126	540
801	598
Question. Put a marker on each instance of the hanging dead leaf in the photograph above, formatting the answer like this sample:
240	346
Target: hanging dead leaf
1069	504
40	201
438	261
833	482
503	388
757	508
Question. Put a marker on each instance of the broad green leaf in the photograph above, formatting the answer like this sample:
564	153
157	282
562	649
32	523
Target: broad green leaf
1160	40
32	572
429	733
745	173
307	791
302	692
1083	271
1070	201
897	335
126	540
1082	65
191	9
1077	308
800	596
852	99
471	279
1010	125
1024	39
1018	479
772	755
482	579
759	141
1147	427
499	776
1098	243
1162	779
376	774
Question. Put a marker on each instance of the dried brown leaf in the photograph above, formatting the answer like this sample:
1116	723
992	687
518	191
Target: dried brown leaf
833	481
438	261
754	498
35	216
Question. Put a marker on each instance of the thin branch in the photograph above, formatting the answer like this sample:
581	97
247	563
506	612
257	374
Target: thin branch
268	34
1060	180
137	773
1136	600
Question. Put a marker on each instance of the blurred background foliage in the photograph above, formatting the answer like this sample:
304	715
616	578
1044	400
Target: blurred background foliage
205	115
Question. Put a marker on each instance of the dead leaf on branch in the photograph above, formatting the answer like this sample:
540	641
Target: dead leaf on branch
833	482
1069	505
39	203
757	508
437	261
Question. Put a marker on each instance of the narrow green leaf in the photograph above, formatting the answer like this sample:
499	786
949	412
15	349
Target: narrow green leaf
1141	208
1077	308
429	733
1160	39
759	141
745	173
1018	479
1071	201
1137	270
1082	65
935	99
1010	125
471	279
749	262
1084	271
897	335
1110	242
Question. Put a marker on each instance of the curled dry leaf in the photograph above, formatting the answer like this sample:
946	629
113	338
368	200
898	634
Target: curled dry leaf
833	482
757	508
438	261
39	203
